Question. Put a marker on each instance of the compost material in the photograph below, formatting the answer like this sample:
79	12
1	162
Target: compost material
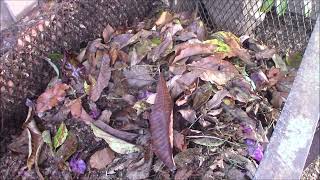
157	100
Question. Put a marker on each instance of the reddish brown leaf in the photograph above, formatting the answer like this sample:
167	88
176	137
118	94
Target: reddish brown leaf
79	112
51	97
100	159
214	70
103	78
107	33
161	125
179	141
193	49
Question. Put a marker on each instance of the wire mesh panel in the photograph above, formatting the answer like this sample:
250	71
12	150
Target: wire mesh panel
284	24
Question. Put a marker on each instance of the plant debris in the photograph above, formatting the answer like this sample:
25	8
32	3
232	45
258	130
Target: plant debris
139	103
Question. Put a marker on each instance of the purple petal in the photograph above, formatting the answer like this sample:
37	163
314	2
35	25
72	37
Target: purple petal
247	129
95	113
144	94
255	150
29	103
77	165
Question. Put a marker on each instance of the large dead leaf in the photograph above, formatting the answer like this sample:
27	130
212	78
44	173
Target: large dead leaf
138	76
214	70
118	145
100	159
180	83
103	78
193	49
161	125
51	97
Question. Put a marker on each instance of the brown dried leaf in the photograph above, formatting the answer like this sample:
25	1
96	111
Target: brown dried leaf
100	159
193	49
180	83
183	174
188	114
216	100
164	18
51	97
107	33
77	111
68	148
35	143
179	141
103	79
161	125
214	70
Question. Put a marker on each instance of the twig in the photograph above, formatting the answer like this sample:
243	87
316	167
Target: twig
213	137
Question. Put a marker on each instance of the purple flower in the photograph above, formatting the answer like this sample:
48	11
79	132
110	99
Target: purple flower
95	113
29	103
255	150
144	94
77	165
247	129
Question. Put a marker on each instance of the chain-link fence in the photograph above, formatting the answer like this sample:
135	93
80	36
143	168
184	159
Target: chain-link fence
284	24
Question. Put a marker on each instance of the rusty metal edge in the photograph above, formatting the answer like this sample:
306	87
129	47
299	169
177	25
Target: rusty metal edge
288	149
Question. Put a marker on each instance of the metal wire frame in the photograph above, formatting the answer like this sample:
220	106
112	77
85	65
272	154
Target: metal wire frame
287	32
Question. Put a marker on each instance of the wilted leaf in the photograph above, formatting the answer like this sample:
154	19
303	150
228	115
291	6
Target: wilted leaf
51	97
139	51
161	125
199	29
214	70
79	112
209	142
180	83
216	100
60	136
164	18
20	144
183	174
142	168
188	114
202	95
138	76
100	159
162	50
194	49
260	79
117	145
103	78
107	33
46	136
189	157
179	141
68	148
35	144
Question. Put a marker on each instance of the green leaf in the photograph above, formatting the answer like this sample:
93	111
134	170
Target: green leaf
68	148
117	145
46	136
61	135
55	56
209	142
221	46
267	6
281	7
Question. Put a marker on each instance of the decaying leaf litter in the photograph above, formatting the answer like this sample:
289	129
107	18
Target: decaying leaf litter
169	100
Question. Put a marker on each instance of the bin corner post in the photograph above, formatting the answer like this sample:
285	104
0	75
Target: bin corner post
288	149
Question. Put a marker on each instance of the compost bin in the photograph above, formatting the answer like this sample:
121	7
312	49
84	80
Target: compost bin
64	30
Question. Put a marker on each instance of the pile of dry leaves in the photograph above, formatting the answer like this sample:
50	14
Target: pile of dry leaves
157	102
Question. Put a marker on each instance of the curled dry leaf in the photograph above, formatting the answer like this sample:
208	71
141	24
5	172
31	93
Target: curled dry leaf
115	132
68	148
214	70
118	145
51	97
161	125
107	33
179	141
193	49
35	143
138	76
100	159
79	112
103	78
164	18
188	114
